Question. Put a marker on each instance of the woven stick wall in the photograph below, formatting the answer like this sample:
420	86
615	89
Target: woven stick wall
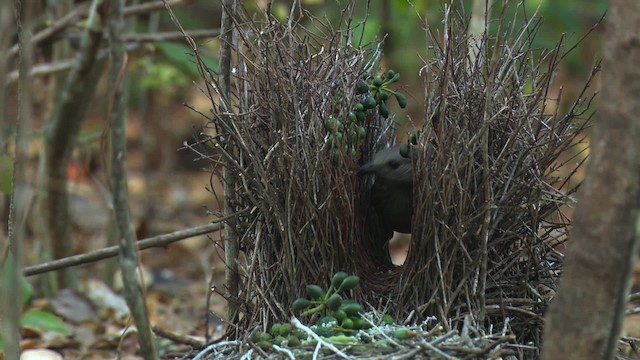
491	200
298	196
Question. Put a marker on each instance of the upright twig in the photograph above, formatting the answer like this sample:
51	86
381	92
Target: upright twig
7	27
231	246
11	260
128	258
478	26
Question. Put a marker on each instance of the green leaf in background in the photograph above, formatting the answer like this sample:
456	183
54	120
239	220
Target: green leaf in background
160	74
26	290
6	174
371	30
44	320
181	56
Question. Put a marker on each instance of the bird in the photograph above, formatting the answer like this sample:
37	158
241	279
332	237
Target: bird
390	199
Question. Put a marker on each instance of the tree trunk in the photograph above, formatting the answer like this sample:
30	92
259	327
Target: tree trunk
586	315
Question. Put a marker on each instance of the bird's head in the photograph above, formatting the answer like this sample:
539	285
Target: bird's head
389	165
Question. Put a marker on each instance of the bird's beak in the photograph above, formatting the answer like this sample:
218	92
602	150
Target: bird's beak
366	169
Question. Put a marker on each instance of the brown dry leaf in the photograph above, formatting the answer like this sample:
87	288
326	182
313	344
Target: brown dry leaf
73	307
106	301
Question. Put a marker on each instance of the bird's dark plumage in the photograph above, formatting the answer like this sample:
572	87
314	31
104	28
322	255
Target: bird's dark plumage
391	199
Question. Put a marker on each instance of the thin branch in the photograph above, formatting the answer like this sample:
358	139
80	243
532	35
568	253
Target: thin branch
134	42
93	256
177	338
231	242
134	293
80	12
171	35
11	261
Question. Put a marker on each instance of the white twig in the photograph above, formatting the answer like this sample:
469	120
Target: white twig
317	338
380	331
284	350
201	355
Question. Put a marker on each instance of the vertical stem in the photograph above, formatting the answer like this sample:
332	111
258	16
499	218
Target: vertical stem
6	33
486	171
11	307
118	176
231	248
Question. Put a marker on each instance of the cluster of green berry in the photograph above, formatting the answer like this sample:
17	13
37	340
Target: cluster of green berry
341	319
339	315
374	92
281	334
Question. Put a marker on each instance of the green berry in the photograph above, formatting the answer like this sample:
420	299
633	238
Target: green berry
350	282
264	345
293	340
402	100
331	124
362	87
265	336
369	102
300	304
383	110
347	323
360	323
362	134
339	277
334	302
377	81
339	315
352	309
285	329
315	291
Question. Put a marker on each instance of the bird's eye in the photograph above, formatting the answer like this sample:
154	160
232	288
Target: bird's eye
394	164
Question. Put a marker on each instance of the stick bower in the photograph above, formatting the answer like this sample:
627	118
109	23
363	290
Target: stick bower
493	168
